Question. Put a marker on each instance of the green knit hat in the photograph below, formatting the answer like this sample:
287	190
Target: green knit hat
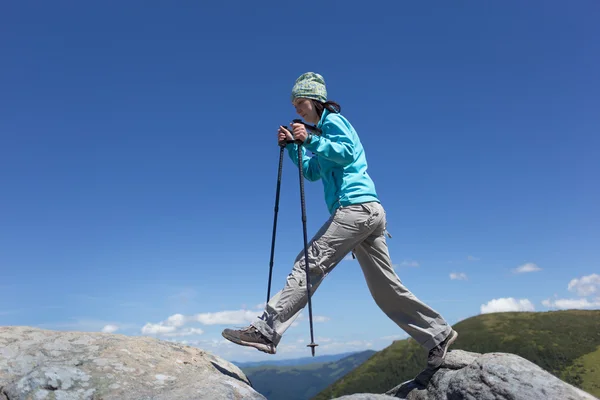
310	85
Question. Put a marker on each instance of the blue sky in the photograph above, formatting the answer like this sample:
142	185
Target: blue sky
138	161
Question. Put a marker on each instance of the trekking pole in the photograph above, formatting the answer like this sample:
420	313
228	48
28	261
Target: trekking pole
282	148
312	344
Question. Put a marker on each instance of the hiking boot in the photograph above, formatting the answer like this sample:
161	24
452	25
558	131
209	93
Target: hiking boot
437	354
250	336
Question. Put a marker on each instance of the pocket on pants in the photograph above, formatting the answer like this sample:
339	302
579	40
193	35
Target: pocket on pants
318	253
372	214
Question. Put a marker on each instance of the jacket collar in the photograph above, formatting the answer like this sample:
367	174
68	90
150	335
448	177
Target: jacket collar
326	112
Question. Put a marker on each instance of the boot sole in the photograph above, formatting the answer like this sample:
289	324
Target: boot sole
453	336
451	339
265	348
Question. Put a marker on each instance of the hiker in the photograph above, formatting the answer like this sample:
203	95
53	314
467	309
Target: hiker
357	224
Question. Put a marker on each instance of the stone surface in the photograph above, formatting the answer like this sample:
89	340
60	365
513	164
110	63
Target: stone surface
42	364
366	396
490	376
38	364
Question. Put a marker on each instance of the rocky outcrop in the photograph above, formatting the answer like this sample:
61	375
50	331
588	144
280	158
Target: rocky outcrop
491	376
43	364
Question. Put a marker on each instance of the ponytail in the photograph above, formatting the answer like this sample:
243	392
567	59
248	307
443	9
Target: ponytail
331	106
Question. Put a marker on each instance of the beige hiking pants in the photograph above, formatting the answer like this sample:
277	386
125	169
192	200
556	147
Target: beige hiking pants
359	228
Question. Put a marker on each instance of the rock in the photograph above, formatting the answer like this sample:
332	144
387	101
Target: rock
43	364
490	376
458	359
365	396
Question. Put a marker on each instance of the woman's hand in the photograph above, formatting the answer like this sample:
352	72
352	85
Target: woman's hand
283	135
299	132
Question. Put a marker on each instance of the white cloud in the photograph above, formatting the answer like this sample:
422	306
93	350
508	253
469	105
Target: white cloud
329	345
344	346
399	336
176	320
304	319
87	325
170	327
184	332
225	317
348	257
318	340
284	348
213	343
173	325
409	263
461	276
586	285
567	304
506	305
157	329
292	346
110	328
323	340
461	261
9	312
529	267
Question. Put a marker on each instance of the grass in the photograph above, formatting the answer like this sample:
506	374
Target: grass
585	373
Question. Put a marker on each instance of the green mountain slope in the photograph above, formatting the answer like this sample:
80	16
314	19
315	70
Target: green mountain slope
565	343
585	373
303	381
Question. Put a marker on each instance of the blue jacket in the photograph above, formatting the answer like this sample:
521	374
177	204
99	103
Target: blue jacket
339	160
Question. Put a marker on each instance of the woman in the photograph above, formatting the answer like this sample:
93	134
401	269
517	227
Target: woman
357	224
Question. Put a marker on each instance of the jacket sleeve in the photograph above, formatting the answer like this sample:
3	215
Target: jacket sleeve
310	165
335	144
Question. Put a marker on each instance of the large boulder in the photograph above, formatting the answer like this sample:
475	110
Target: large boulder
466	375
43	364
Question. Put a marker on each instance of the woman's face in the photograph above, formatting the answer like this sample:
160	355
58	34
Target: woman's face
305	109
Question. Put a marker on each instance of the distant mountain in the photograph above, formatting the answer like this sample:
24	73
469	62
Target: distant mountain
302	381
295	361
564	343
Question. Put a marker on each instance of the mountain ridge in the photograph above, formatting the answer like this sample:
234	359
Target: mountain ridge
297	361
563	343
299	382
